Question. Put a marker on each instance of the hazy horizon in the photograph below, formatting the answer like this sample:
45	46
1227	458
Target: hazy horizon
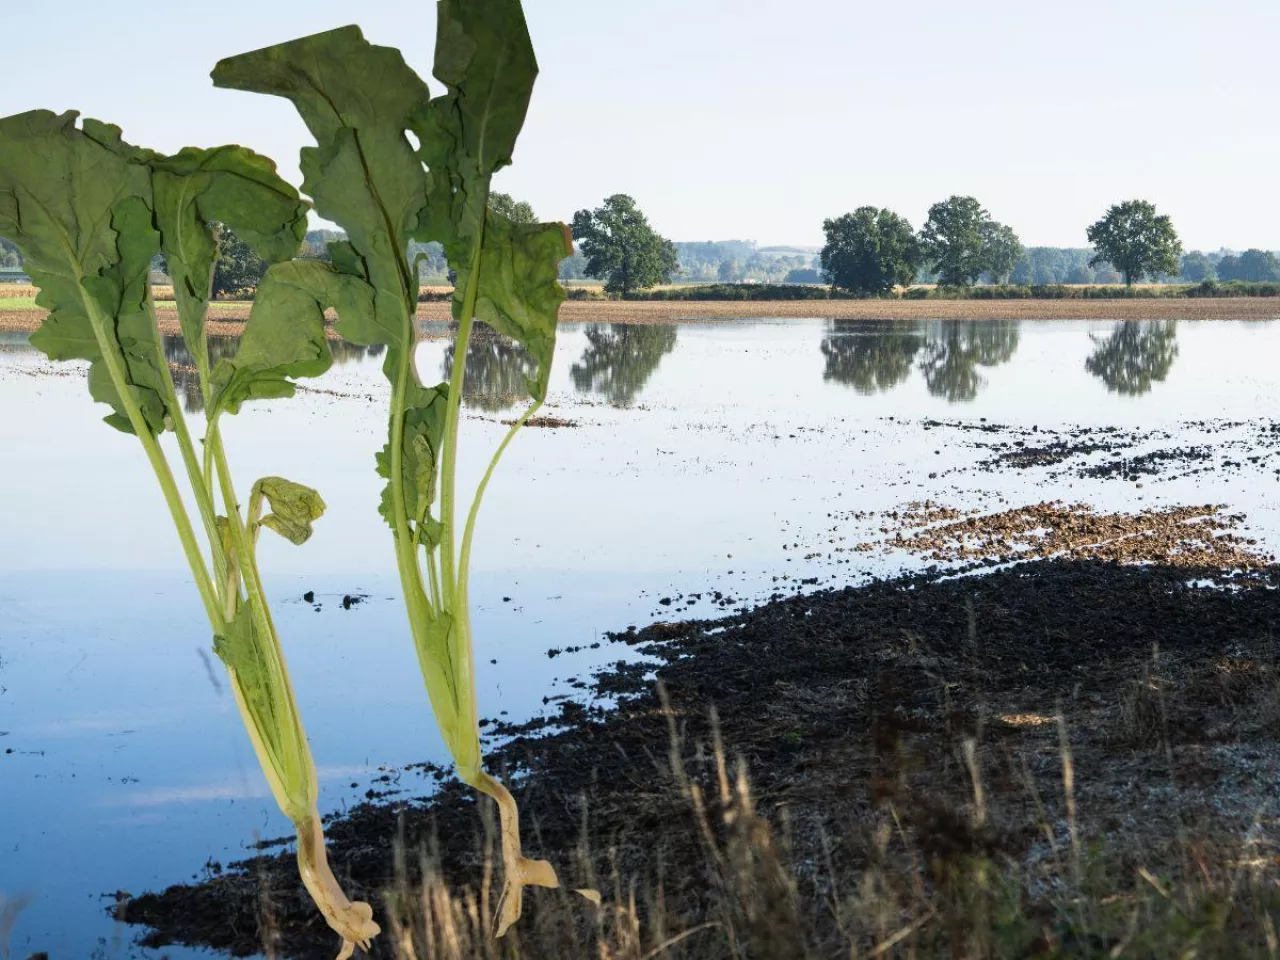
758	125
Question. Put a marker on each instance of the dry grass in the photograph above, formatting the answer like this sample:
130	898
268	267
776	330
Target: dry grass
760	898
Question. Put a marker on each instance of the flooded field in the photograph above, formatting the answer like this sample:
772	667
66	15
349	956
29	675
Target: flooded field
680	473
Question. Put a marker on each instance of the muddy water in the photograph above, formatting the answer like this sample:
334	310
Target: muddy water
702	467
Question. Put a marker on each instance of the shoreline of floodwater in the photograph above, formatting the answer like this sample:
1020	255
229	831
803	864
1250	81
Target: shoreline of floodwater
228	318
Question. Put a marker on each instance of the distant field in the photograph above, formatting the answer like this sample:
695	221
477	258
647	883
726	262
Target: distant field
17	303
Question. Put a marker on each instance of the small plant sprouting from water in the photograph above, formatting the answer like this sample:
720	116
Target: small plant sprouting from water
363	105
89	213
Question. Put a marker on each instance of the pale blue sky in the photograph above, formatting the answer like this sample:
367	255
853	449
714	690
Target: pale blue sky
755	119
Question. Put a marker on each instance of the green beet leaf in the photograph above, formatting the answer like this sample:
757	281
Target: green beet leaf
77	202
195	189
356	99
519	289
285	335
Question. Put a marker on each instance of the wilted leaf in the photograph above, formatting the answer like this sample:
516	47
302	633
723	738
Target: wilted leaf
294	508
423	431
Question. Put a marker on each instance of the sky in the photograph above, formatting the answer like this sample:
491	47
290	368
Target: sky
758	119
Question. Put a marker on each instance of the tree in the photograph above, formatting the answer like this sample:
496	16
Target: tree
954	241
805	275
1257	266
513	210
1197	268
621	248
1001	250
238	268
870	251
1229	267
1136	240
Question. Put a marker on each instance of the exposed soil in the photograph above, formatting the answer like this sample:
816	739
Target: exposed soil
852	709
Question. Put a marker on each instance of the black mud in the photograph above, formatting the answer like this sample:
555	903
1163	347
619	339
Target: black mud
842	705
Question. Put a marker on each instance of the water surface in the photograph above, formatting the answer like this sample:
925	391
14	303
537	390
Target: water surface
705	456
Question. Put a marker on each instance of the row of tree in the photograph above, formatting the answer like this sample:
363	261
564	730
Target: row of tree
873	250
869	251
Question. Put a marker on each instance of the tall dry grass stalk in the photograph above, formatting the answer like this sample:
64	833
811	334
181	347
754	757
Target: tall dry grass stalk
757	902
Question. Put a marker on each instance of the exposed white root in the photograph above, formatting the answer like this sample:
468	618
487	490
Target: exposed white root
353	922
518	871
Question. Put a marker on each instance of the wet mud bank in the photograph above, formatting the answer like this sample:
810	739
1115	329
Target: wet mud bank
891	733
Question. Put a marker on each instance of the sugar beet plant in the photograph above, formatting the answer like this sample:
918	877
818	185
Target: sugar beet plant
89	213
392	165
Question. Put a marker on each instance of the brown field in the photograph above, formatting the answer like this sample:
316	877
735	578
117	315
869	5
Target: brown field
618	311
228	318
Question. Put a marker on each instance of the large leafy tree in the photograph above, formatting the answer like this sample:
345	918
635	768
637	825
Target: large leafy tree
1136	240
238	268
621	248
961	242
1001	249
870	251
517	211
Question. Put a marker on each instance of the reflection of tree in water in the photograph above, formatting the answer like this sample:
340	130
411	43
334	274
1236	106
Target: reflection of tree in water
870	356
1135	355
956	348
187	381
498	370
620	359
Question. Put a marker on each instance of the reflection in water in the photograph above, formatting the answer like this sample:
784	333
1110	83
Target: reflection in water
187	381
956	348
620	359
871	357
498	370
1135	355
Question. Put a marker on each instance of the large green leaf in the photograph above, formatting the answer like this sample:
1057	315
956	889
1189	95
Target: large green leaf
77	202
285	336
519	290
197	188
485	59
357	99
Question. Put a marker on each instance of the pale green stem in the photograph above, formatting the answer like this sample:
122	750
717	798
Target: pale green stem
169	488
449	456
197	474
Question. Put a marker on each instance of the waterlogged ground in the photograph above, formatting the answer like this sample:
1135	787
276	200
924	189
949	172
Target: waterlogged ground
683	472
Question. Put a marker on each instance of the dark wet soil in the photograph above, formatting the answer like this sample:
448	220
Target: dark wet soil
845	705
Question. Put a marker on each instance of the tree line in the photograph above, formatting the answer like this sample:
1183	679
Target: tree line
867	252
